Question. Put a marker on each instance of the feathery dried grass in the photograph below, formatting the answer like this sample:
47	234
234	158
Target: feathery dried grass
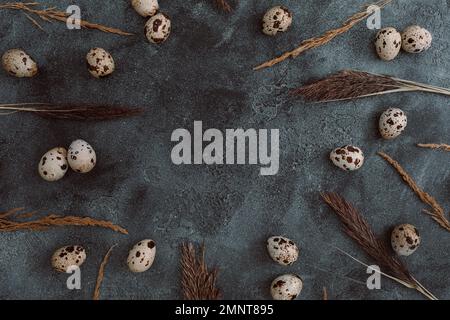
435	146
437	212
50	14
77	113
325	38
101	274
223	5
325	294
356	227
353	84
40	224
198	283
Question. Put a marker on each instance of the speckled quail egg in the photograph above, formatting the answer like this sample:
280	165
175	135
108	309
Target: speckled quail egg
392	123
68	256
81	156
100	62
388	43
141	256
282	250
276	19
157	28
416	39
286	287
53	165
405	239
19	64
348	158
145	8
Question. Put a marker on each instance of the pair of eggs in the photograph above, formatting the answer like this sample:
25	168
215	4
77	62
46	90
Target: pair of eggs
158	27
54	163
285	252
140	257
19	64
414	39
391	124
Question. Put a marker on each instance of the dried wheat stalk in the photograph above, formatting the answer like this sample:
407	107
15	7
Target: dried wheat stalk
9	225
442	146
437	212
198	283
58	112
356	227
224	5
353	84
325	294
50	14
101	274
325	38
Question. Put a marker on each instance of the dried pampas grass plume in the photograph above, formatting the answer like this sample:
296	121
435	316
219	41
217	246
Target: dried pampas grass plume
198	283
9	225
435	146
356	227
353	84
101	273
437	212
49	14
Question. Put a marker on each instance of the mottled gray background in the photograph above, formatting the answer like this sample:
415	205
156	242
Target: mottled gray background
204	72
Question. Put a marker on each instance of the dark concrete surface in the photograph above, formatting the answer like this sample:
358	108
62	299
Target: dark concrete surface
204	72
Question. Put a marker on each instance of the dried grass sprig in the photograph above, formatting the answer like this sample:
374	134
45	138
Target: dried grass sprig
353	84
50	14
59	112
198	283
101	274
356	227
43	223
435	146
223	5
325	294
325	38
437	212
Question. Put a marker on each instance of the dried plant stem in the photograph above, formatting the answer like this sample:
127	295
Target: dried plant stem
325	294
224	5
8	225
198	283
101	274
325	38
353	84
356	227
59	112
437	212
50	14
436	146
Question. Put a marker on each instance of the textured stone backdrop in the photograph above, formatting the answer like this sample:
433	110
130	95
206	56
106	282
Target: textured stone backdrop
204	72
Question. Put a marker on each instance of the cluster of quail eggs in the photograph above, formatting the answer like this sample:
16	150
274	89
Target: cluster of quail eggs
158	27
80	157
140	257
389	41
285	252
